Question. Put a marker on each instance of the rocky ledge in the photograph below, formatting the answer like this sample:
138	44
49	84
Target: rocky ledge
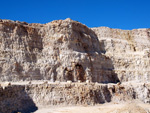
81	65
28	97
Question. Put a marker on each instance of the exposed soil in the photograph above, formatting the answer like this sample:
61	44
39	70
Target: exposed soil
103	108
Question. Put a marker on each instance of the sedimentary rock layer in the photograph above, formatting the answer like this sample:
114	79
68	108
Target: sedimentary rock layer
68	50
27	98
129	50
60	50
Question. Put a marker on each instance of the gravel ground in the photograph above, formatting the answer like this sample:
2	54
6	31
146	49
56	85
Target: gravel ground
103	108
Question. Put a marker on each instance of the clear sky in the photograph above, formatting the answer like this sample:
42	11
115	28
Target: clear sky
123	14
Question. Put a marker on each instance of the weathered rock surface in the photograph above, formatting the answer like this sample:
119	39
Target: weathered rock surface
68	50
27	98
129	50
58	51
74	60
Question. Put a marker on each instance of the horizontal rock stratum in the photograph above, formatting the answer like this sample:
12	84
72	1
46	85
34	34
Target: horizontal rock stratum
68	50
80	65
27	98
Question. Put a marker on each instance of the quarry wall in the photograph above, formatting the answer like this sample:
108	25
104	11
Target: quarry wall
28	98
81	65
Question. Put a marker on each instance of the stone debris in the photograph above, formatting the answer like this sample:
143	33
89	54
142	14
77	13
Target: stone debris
118	83
57	82
30	82
46	82
79	81
69	81
87	81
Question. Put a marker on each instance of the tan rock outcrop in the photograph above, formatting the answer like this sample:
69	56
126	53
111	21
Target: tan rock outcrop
128	50
65	63
28	97
57	51
68	50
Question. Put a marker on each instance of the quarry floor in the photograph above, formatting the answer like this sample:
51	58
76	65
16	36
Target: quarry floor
128	107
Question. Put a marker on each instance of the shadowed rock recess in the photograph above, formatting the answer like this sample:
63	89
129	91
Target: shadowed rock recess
74	60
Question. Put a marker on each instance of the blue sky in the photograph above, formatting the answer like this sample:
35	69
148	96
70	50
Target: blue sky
123	14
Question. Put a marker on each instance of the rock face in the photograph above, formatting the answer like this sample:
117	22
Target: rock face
57	51
14	99
74	60
128	50
68	50
28	97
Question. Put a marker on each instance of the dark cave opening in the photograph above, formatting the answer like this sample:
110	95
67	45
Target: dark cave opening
80	73
76	74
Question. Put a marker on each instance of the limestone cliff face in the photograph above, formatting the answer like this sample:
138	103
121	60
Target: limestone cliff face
68	50
28	98
129	51
58	51
21	47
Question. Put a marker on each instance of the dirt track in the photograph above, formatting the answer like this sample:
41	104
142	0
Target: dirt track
103	108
